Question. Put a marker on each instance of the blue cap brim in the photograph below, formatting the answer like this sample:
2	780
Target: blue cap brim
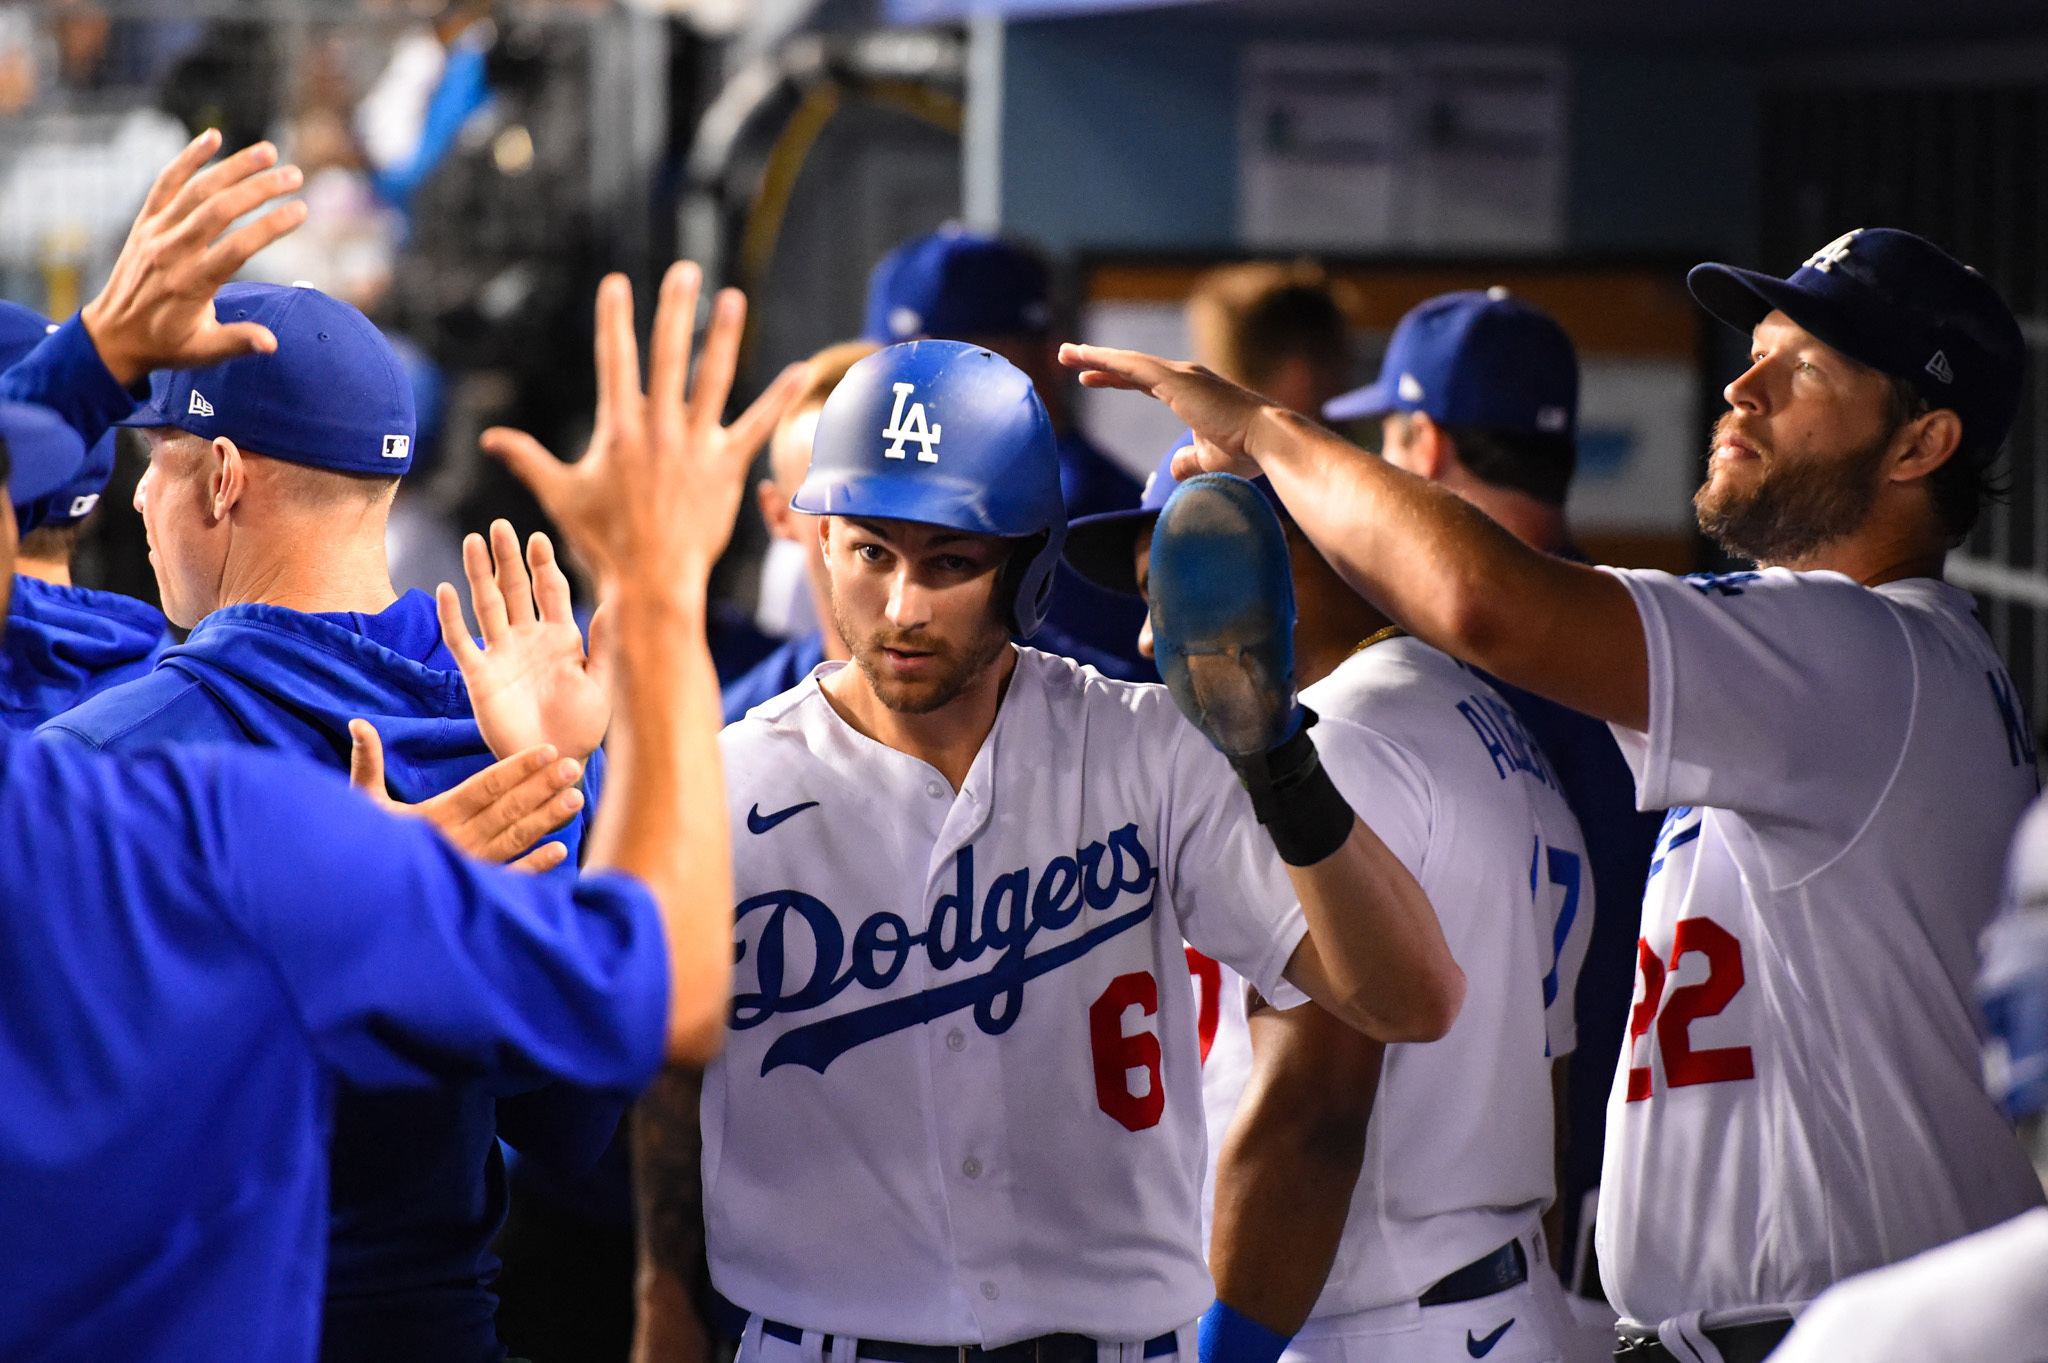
1103	547
1742	298
1375	399
43	452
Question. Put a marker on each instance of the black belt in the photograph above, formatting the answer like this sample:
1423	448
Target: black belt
1750	1343
1062	1348
1506	1267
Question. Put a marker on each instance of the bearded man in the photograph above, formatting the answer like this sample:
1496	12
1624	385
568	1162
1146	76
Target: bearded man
1841	751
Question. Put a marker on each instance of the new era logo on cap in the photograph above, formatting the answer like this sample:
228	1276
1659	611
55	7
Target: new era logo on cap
1410	388
397	446
1940	368
198	406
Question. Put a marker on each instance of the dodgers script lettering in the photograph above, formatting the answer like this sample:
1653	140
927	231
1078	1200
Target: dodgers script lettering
1017	909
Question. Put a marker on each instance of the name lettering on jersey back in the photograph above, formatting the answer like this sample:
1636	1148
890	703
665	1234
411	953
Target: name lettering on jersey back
1512	747
1017	910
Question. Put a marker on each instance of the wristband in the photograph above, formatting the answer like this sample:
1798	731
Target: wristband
1229	1337
1295	799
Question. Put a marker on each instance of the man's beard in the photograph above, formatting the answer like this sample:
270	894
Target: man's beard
957	671
1793	507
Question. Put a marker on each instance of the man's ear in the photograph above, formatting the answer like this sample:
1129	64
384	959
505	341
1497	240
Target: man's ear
1930	440
774	509
1434	452
227	480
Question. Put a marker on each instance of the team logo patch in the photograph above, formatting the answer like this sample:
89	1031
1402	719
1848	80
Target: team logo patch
82	506
910	426
198	405
1828	256
1940	368
397	446
1017	910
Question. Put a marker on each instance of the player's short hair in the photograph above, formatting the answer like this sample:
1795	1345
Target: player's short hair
1248	320
1537	464
51	543
1962	486
322	489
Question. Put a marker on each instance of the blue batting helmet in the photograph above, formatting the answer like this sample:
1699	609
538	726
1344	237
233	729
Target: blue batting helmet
943	433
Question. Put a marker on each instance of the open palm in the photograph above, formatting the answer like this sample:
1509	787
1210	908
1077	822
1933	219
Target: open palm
532	681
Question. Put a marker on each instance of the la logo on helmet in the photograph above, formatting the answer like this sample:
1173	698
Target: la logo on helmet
911	426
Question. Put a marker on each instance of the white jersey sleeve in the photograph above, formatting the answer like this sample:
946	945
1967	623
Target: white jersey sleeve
1778	695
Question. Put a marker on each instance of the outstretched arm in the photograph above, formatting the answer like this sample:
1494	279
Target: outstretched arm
1439	568
649	508
1375	954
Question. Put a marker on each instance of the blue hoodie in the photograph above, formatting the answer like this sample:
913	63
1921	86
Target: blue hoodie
417	1180
64	645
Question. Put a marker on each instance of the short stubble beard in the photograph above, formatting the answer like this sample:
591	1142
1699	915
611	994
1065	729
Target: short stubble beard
920	698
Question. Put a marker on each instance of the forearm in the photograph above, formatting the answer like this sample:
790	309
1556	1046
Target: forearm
664	818
66	374
1453	577
1289	1164
1383	964
668	1187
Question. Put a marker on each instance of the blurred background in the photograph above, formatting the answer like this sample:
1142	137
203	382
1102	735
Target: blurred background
474	167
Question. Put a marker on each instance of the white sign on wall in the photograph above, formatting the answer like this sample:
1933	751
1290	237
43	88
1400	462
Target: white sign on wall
1419	148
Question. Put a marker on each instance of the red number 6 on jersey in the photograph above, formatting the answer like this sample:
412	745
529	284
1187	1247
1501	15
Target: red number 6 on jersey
1117	1053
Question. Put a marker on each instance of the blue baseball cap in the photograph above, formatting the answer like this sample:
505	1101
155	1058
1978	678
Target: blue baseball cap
1901	305
956	284
333	395
21	330
43	452
1103	547
1475	358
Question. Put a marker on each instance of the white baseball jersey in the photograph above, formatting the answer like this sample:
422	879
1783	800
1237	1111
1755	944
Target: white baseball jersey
960	1102
1982	1299
1800	1097
1459	1153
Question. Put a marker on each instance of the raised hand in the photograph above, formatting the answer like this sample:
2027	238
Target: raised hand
653	500
156	311
494	815
531	683
1218	411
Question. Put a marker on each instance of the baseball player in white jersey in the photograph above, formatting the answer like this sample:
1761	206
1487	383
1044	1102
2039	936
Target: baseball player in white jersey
959	1115
1844	757
1415	1235
1983	1298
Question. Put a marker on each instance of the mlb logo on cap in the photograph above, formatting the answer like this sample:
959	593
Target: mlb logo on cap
397	446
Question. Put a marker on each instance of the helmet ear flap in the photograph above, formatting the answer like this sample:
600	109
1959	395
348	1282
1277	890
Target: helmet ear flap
1014	582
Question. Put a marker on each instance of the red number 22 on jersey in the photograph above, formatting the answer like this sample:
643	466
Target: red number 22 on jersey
1682	1064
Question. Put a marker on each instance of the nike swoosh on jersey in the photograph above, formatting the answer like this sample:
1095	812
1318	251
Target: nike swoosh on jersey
1480	1348
757	822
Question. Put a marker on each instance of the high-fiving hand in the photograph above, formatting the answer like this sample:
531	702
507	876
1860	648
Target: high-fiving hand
156	311
654	498
1218	411
495	814
531	682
